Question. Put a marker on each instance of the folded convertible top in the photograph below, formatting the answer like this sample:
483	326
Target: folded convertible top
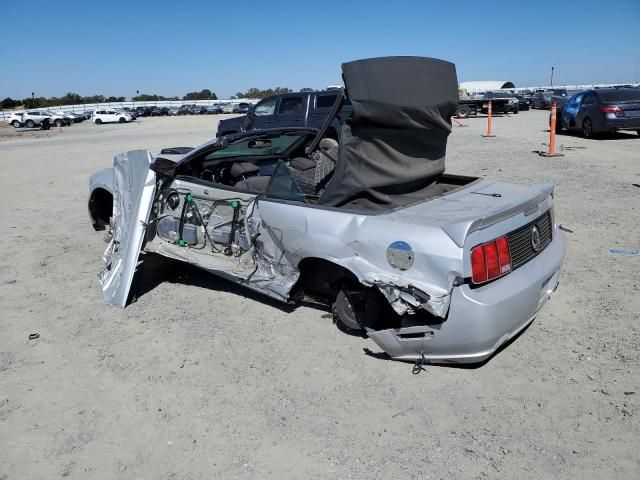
392	149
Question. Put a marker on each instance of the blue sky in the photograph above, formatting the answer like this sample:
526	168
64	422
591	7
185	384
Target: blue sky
170	48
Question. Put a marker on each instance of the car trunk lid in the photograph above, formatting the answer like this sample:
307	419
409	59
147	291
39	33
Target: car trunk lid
631	109
477	206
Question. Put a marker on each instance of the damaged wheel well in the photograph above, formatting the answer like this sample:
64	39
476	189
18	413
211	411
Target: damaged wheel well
100	208
323	278
336	286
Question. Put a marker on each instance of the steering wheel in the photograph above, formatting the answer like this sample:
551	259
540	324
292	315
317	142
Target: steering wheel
207	175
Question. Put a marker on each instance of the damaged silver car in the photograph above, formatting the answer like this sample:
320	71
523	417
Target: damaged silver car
432	267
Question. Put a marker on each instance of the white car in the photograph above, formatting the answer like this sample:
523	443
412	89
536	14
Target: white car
72	117
106	116
228	108
34	118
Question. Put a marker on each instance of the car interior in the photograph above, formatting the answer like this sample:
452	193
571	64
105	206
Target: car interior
250	164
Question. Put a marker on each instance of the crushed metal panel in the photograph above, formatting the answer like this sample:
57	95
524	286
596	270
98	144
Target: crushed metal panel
276	268
354	242
404	302
134	187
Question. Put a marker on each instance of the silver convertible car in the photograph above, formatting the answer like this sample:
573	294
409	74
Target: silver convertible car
432	267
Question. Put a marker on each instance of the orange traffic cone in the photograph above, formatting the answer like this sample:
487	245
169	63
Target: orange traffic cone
552	134
458	122
489	133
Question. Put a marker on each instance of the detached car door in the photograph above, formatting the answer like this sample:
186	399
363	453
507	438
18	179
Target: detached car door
134	186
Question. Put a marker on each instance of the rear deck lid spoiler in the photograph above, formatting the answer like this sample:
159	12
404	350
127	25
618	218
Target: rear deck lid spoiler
498	201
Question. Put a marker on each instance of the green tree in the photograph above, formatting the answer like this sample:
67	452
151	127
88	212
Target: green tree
204	94
9	103
31	102
93	99
257	93
71	99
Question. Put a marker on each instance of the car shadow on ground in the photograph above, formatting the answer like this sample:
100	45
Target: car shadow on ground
624	135
157	269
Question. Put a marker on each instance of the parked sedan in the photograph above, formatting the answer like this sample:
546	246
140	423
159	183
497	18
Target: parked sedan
228	108
214	109
241	107
69	117
602	110
432	267
128	110
160	111
523	102
503	102
184	110
542	100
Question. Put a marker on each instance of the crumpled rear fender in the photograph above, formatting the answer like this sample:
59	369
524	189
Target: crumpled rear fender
358	243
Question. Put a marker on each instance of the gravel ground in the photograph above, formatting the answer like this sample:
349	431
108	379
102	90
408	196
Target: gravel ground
198	379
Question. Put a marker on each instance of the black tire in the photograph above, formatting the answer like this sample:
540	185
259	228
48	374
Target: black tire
16	124
98	121
345	313
58	122
463	111
587	128
122	120
30	124
356	308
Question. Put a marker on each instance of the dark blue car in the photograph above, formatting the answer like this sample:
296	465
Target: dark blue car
602	110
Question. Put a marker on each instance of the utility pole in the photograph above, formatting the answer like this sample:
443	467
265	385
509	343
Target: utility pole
552	76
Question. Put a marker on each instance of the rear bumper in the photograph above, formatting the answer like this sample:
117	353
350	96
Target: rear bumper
622	123
480	320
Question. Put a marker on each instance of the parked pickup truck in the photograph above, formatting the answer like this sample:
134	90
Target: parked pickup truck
472	105
301	109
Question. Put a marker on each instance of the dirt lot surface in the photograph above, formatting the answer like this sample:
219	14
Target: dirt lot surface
198	379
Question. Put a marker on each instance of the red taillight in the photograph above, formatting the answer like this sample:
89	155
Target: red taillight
493	263
609	109
491	260
505	255
478	265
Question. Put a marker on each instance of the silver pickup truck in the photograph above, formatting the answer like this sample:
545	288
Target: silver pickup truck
432	267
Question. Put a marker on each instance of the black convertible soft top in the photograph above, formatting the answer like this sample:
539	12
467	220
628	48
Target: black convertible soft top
392	149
